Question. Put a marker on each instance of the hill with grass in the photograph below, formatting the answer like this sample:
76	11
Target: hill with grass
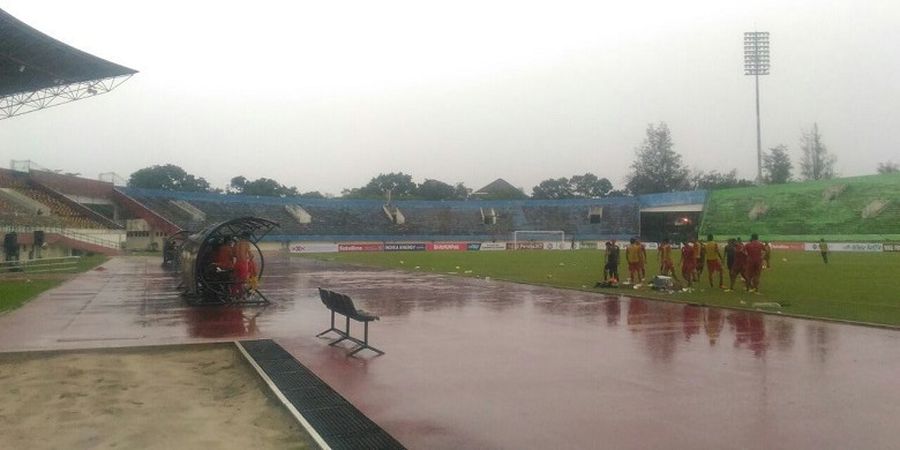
863	208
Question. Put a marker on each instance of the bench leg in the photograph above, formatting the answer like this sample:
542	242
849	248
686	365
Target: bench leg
346	334
365	343
330	329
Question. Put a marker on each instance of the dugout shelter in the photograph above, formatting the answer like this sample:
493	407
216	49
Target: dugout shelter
203	282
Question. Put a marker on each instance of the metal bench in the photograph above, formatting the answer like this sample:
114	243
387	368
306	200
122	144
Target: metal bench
341	304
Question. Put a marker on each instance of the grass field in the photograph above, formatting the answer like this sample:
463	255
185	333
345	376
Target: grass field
801	212
860	287
14	292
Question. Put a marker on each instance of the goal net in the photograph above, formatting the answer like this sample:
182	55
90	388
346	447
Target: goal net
539	239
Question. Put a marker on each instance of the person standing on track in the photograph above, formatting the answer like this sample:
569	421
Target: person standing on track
713	260
823	248
767	255
754	250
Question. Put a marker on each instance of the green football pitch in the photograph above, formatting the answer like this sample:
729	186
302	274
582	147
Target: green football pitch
861	287
16	289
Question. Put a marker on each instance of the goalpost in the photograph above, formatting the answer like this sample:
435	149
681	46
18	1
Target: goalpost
556	237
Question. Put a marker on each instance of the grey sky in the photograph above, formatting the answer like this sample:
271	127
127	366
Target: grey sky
326	95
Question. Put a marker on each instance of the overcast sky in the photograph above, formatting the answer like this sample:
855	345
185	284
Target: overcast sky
324	95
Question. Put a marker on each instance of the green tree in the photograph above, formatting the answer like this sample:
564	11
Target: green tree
167	177
552	189
589	186
715	180
656	167
462	192
888	167
393	185
816	163
438	190
777	165
579	186
265	187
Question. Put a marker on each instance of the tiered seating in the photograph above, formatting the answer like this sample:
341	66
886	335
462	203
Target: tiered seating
164	207
617	220
424	220
59	213
339	218
436	218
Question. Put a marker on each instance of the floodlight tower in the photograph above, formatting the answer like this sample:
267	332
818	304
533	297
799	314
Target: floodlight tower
756	63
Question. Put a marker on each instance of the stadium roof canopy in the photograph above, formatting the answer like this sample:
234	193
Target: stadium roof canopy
37	71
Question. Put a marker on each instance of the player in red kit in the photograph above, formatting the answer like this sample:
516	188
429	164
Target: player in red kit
754	251
687	262
666	266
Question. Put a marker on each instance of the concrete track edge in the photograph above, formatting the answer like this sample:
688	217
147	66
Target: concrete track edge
284	401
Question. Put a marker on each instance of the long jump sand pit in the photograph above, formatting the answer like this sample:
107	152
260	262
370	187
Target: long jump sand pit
189	396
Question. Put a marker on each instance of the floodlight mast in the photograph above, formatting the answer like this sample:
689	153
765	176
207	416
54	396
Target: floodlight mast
756	63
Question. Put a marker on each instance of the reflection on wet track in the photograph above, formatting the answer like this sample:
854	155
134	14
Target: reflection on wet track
485	364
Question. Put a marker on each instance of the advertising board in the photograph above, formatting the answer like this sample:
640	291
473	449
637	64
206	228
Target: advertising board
313	247
405	247
447	246
492	246
793	246
525	245
361	247
847	247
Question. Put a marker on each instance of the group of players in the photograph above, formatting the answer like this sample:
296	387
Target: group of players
233	259
744	260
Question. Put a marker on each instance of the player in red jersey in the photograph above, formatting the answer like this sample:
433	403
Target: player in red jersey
755	251
713	260
687	262
666	266
633	256
643	260
698	256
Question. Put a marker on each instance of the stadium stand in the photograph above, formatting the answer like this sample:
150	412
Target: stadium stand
422	220
46	206
809	210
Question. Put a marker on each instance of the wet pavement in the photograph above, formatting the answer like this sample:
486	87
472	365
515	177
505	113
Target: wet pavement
486	364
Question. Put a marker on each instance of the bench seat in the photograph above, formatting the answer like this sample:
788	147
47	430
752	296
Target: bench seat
342	304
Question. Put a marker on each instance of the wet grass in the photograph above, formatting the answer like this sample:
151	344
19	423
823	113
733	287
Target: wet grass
862	287
16	290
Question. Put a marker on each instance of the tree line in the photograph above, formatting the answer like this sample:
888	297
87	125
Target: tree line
657	167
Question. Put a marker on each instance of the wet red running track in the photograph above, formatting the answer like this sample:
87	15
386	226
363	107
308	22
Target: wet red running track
485	364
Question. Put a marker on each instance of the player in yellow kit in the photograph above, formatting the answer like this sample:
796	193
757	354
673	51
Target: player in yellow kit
713	259
666	265
633	256
699	258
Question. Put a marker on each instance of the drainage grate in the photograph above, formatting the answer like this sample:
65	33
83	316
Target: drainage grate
340	424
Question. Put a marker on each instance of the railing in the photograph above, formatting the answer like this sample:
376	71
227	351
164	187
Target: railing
43	265
90	239
62	232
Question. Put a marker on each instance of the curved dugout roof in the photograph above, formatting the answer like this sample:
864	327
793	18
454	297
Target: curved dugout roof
41	70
